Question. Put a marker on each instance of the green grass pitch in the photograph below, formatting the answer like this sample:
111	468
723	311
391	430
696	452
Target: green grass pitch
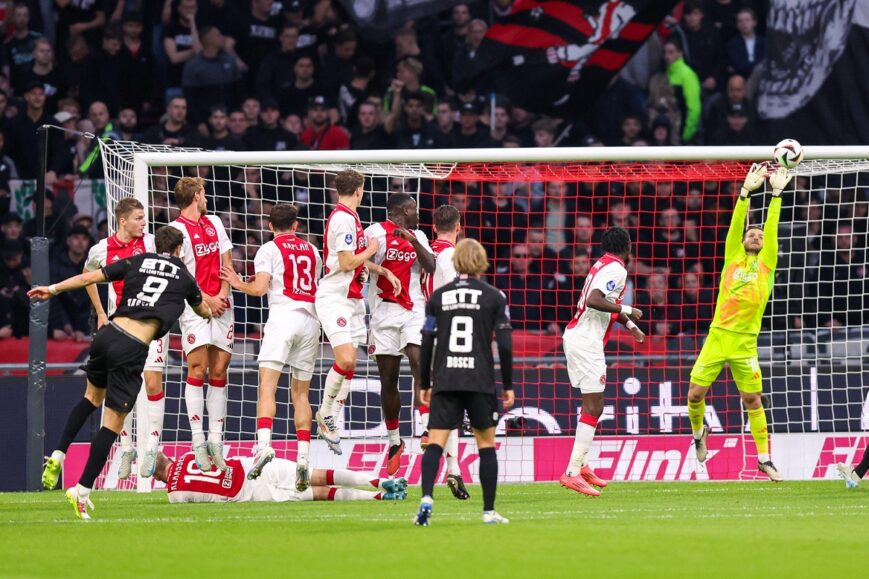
699	530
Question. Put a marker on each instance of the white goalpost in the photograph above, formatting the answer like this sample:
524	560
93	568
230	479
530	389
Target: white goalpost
813	348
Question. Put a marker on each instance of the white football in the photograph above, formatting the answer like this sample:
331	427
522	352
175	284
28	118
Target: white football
788	153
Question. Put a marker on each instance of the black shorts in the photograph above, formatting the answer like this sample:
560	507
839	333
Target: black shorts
448	409
116	363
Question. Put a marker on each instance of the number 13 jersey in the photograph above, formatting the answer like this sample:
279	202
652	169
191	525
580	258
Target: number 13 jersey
294	266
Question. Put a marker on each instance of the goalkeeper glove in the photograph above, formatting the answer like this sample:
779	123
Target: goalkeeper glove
779	180
753	180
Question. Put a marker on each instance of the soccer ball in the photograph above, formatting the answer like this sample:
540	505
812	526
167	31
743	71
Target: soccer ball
788	153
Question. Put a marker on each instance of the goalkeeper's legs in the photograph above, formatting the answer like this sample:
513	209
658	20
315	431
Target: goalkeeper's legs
390	403
696	412
93	398
758	425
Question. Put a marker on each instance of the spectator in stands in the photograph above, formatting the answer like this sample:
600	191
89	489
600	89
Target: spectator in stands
18	49
661	307
445	118
211	77
702	45
337	67
844	281
583	237
79	18
368	133
238	125
543	259
91	165
22	130
746	50
180	43
561	292
505	221
107	82
669	250
407	80
353	93
470	61
696	305
8	171
715	113
219	137
269	135
251	107
408	123
545	132
453	40
500	128
522	286
79	67
621	99
686	87
256	36
738	130
557	218
722	16
15	280
62	149
44	70
661	132
407	46
522	125
128	125
304	87
225	15
321	134
472	134
275	76
468	208
175	131
70	312
138	67
11	227
632	128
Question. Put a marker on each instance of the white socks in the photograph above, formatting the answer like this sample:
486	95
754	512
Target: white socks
331	390
195	401
584	435
216	401
451	450
352	495
126	434
156	410
349	478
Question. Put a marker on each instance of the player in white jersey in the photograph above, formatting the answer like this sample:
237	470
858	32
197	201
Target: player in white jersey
130	240
586	335
339	298
447	226
397	319
287	269
185	483
207	343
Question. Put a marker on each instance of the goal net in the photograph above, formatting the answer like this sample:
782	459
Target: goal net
541	219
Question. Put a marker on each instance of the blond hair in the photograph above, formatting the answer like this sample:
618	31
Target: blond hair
186	189
470	257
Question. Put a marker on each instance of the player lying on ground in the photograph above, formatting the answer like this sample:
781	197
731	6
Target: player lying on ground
463	316
131	240
277	483
750	258
339	299
396	319
854	474
287	269
599	305
206	343
447	226
156	287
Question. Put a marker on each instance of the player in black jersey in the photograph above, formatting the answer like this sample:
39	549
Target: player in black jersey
156	285
462	316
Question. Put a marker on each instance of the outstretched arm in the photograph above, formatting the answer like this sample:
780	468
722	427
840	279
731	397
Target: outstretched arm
733	243
76	282
769	253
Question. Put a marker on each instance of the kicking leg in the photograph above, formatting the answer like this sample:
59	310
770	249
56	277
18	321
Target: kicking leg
79	496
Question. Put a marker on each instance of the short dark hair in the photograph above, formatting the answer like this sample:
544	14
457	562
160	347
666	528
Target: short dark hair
396	201
446	217
348	181
167	239
581	253
126	206
616	241
749	228
674	40
283	215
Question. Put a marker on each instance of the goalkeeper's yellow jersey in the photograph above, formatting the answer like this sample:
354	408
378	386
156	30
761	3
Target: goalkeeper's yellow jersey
747	280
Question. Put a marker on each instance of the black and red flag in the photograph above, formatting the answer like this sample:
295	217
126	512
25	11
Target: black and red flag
559	56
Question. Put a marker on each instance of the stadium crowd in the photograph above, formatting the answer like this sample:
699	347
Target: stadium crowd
270	75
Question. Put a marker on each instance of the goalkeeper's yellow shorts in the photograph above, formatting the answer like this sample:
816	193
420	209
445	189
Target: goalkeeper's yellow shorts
739	351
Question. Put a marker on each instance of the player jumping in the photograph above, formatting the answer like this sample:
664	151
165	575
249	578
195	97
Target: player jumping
339	298
277	482
447	227
462	316
129	240
156	285
206	343
599	305
287	269
396	319
750	258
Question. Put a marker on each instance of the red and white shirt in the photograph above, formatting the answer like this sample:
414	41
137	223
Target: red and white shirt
188	484
608	275
343	233
398	256
294	267
204	242
445	271
108	251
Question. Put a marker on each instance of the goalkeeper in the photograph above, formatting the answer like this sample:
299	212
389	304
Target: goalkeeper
750	257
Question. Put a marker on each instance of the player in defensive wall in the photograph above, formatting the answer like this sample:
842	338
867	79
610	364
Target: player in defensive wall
156	288
750	259
397	319
287	269
206	343
447	226
130	240
277	482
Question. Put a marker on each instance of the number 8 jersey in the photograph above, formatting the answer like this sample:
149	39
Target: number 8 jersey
294	266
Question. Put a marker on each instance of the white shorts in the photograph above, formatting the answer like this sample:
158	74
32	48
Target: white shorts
197	331
586	365
158	351
276	484
393	327
343	320
292	338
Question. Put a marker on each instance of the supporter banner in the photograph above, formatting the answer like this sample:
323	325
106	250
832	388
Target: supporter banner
88	195
543	459
568	50
816	76
377	18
